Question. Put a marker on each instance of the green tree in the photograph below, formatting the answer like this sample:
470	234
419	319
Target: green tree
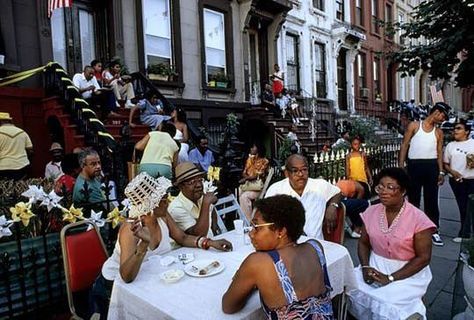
441	40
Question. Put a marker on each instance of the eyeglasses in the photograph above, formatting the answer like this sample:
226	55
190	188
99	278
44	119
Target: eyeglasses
458	128
193	181
256	227
296	171
389	188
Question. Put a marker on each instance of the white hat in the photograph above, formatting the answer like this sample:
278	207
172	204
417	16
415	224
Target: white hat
145	193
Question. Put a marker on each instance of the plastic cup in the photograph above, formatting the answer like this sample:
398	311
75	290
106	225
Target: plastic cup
239	226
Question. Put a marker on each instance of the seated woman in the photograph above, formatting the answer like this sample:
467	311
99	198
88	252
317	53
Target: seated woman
291	278
394	251
252	181
150	231
151	112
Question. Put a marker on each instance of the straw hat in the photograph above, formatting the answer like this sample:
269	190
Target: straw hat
55	146
145	193
5	116
185	171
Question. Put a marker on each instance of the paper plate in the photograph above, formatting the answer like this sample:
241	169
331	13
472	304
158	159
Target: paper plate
202	268
172	275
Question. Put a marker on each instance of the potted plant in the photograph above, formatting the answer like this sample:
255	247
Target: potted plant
158	71
212	81
222	80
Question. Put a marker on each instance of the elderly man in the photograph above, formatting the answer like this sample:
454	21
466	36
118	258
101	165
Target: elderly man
15	147
320	199
89	161
193	210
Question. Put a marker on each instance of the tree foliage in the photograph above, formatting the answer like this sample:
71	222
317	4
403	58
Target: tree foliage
439	39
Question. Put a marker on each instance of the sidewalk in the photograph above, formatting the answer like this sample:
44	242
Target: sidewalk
444	297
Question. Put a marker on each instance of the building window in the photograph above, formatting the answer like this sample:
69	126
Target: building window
359	13
318	4
389	17
157	32
320	70
375	16
214	41
377	88
401	20
340	10
292	62
361	74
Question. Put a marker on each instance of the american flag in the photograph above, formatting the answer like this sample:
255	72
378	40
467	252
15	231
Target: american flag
55	4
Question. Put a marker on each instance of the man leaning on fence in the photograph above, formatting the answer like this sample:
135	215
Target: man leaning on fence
87	189
319	198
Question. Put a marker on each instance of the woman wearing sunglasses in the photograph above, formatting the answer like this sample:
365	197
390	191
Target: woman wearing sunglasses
459	164
394	252
291	278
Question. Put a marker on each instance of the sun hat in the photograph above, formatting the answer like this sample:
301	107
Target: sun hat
145	193
185	171
5	116
55	146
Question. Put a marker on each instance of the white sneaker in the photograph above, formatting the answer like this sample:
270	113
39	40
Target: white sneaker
436	239
117	104
129	104
457	240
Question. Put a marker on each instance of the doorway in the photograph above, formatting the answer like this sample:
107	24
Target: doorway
342	80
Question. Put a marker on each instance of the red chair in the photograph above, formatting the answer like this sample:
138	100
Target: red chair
84	254
337	235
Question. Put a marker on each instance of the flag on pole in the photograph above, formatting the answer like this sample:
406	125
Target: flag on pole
55	4
436	95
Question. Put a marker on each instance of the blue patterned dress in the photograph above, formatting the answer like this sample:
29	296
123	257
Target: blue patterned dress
311	308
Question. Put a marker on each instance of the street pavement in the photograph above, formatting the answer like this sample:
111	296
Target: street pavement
444	298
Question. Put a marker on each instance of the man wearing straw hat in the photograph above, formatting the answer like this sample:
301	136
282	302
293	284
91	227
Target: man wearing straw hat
193	210
53	168
15	147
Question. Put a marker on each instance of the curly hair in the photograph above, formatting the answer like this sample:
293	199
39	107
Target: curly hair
285	212
397	174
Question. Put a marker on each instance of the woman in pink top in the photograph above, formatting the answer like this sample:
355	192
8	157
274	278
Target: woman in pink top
394	251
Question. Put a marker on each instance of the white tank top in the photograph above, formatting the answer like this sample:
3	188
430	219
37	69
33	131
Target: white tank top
110	269
423	144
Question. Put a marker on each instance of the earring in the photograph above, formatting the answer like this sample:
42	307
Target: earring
279	237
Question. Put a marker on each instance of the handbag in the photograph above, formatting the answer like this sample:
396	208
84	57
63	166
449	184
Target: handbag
132	166
254	185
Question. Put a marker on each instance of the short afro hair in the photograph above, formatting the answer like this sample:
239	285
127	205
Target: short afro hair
285	212
397	174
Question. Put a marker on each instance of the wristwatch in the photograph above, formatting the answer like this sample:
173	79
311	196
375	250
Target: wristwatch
390	278
335	205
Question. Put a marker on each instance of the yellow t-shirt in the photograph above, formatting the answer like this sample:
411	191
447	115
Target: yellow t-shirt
160	149
13	144
357	169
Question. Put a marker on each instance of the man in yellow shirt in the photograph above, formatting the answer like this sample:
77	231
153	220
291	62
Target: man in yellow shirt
15	147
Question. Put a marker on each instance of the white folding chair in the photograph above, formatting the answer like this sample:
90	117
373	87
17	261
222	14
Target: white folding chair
227	205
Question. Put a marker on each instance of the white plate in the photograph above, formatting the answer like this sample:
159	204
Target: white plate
200	264
172	275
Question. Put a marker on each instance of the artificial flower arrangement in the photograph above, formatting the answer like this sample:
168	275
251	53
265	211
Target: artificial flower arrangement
23	212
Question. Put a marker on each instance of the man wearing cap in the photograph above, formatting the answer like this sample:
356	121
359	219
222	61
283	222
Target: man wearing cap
53	169
15	147
193	210
423	142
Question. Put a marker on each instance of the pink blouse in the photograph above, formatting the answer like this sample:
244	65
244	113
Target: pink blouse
397	244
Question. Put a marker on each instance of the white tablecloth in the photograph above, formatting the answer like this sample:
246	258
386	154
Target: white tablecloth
147	297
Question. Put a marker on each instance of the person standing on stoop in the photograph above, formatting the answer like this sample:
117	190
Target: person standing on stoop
423	143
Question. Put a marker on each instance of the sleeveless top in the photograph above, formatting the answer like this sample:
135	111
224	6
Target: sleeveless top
110	269
311	308
423	144
357	168
179	135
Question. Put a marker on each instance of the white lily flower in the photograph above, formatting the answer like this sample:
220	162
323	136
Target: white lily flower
209	187
96	217
34	194
5	227
51	201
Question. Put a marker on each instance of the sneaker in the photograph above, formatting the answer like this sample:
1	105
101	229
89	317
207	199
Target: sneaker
437	241
129	104
457	240
354	235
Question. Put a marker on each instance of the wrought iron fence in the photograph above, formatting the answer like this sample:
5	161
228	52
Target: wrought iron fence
331	165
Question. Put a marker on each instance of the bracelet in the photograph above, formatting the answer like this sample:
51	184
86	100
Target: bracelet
200	242
196	242
205	244
366	267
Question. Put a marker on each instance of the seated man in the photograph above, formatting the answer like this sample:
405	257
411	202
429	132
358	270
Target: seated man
201	156
91	90
121	85
53	169
319	198
193	210
89	161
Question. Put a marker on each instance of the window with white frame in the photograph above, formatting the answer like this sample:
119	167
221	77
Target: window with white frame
401	20
340	10
359	13
375	16
376	70
214	41
318	4
157	32
320	69
361	73
292	62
